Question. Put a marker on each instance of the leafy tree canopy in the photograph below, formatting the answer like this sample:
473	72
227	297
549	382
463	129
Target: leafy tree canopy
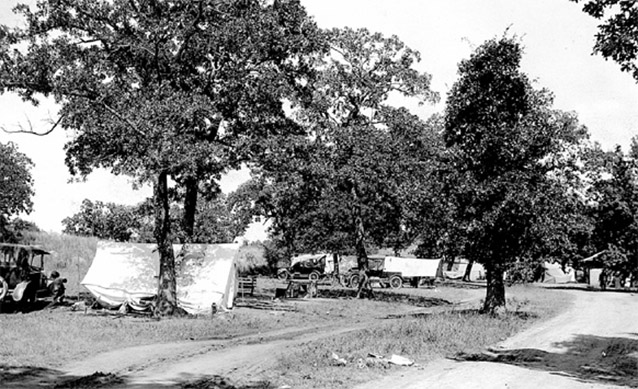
343	187
617	36
16	187
215	222
500	134
163	89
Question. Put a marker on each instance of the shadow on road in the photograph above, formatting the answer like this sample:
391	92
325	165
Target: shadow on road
587	357
19	377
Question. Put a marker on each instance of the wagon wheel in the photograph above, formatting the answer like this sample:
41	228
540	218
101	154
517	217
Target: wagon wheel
353	282
4	288
396	282
314	276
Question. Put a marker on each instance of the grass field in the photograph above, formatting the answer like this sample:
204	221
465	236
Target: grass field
51	338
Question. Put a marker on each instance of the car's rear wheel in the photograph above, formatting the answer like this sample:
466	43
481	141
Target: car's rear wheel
4	289
314	276
354	281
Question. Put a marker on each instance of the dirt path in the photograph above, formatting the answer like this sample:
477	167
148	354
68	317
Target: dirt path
240	360
559	353
237	359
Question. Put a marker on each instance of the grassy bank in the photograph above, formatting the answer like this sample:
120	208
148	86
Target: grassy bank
50	338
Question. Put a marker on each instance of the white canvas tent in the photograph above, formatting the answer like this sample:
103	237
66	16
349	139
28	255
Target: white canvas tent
554	274
127	273
458	268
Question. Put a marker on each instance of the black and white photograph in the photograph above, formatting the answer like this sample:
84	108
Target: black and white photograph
310	194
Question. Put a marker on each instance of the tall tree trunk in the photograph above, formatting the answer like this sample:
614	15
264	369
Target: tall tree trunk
362	256
166	303
468	271
495	297
359	233
190	208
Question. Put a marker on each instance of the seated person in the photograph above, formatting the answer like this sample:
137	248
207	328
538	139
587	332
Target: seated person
56	287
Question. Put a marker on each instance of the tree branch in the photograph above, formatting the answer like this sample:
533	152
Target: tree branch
131	125
30	130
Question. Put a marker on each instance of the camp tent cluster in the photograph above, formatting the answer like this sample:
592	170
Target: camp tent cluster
456	270
127	273
553	274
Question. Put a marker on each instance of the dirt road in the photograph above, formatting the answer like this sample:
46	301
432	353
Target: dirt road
573	350
240	360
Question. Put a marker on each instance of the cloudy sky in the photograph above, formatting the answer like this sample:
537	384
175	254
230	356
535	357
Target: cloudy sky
557	36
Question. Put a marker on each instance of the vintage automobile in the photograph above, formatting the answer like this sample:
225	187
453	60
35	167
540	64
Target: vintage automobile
311	266
375	269
22	277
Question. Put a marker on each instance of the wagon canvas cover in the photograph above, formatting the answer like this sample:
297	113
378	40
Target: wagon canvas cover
128	272
413	267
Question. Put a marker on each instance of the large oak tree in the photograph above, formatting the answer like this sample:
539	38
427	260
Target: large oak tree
163	90
344	187
500	134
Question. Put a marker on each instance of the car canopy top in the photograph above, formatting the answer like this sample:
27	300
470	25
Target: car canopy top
9	249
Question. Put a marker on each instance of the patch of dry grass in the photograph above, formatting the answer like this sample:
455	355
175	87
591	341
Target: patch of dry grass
421	339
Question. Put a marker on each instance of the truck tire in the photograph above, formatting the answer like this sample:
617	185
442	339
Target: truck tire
396	282
314	276
283	274
4	289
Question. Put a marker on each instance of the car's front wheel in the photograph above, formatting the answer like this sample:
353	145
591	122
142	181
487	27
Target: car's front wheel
283	274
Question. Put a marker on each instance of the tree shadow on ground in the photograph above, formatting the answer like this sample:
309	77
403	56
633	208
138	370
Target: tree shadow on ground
586	358
379	295
11	307
22	377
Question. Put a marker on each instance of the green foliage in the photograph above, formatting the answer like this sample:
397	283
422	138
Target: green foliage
215	222
344	188
170	89
16	189
501	136
614	209
20	231
103	220
617	37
